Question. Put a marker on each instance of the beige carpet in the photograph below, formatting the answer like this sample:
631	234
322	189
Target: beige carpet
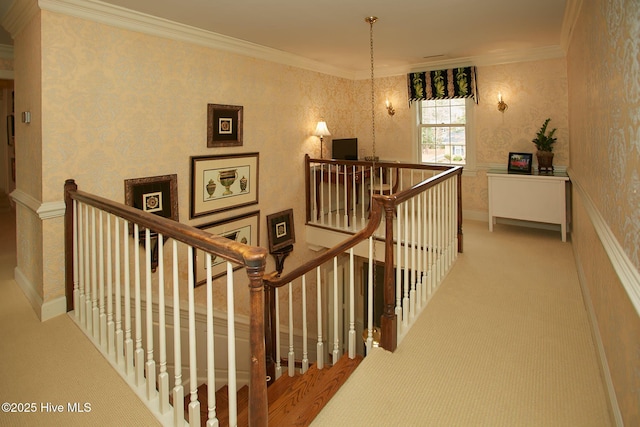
505	341
54	363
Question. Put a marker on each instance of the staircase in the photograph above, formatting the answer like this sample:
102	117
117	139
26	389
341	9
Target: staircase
293	401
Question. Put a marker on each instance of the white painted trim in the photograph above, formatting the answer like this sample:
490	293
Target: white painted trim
6	51
53	308
47	210
624	268
120	17
44	310
19	15
571	14
597	338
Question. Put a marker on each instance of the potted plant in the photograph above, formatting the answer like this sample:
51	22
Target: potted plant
544	143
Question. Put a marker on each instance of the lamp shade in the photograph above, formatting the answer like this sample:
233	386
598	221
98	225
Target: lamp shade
321	129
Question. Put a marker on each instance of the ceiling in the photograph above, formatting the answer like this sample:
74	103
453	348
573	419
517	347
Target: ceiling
334	32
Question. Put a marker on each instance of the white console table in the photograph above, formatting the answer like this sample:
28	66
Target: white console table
535	197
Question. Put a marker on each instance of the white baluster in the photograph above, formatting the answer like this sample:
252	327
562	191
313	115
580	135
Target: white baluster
277	344
95	310
354	198
101	311
178	390
139	352
305	327
163	376
76	290
150	365
369	341
337	185
194	404
420	250
81	306
336	317
431	241
412	282
407	284
119	336
352	314
314	195
110	325
291	356
231	334
211	367
398	308
320	344
321	207
87	272
128	341
363	219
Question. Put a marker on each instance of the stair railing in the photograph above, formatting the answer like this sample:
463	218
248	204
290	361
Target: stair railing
100	234
416	227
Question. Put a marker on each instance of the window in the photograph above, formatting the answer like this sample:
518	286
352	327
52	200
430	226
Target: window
444	131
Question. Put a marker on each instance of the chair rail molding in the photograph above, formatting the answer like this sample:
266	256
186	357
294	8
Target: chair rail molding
46	210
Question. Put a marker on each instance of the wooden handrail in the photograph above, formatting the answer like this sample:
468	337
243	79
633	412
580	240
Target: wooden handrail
237	252
252	257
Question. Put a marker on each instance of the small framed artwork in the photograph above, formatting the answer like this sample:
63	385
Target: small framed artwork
224	125
281	231
220	183
157	195
520	163
243	229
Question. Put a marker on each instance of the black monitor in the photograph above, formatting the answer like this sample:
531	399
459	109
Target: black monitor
345	149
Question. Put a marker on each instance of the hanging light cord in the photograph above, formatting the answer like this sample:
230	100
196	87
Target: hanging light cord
372	20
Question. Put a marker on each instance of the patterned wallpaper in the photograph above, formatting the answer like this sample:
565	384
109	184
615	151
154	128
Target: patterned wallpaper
604	104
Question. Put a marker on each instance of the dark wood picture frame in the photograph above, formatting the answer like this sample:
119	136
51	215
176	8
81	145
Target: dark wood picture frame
154	194
224	125
220	183
243	228
281	230
157	195
520	163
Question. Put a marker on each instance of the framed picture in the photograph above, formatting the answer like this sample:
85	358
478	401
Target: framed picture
220	183
224	125
243	229
519	163
157	195
281	231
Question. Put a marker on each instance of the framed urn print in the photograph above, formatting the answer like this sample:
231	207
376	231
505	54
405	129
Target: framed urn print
157	195
242	229
220	183
224	125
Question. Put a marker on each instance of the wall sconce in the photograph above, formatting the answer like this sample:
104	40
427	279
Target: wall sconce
322	131
501	104
390	108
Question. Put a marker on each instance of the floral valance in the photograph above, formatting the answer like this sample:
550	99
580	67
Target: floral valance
443	84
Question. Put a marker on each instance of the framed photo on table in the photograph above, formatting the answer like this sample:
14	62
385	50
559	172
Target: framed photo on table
242	228
520	163
224	125
220	183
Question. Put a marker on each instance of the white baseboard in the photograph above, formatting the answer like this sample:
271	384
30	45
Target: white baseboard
45	310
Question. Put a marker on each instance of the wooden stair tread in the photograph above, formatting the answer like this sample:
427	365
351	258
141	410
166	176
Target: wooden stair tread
295	392
316	396
222	405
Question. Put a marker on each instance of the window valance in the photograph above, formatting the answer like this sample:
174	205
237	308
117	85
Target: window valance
443	84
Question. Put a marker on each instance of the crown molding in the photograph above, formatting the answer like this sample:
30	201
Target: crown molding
119	17
19	15
571	14
523	55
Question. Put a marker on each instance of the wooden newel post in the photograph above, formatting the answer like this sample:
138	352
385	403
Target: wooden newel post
388	320
69	185
258	405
